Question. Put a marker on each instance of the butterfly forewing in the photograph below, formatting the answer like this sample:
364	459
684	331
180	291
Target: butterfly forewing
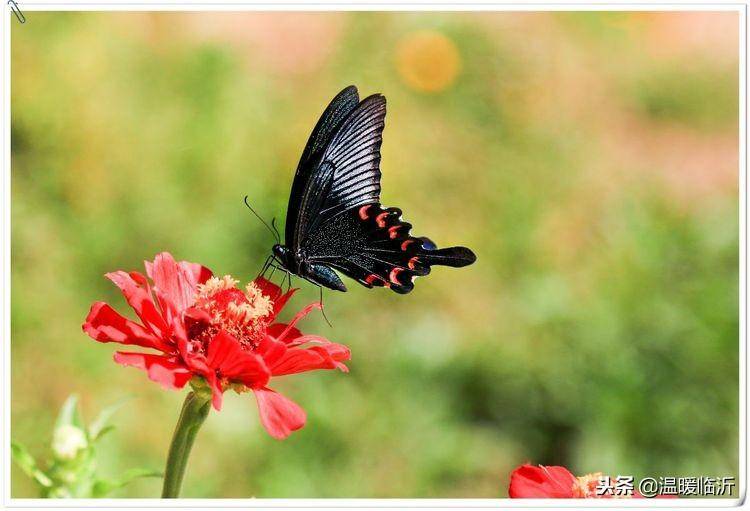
355	153
340	107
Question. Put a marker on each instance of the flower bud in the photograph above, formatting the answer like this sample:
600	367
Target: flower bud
68	441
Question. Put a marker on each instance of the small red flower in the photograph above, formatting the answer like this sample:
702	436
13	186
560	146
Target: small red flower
542	482
205	326
551	482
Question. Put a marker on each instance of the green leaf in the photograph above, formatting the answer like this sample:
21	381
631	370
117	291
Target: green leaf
26	462
99	426
103	487
69	414
102	432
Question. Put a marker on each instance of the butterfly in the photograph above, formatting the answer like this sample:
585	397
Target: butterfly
335	221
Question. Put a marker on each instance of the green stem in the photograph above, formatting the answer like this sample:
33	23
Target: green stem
194	411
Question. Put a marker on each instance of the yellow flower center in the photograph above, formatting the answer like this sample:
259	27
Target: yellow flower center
585	486
244	315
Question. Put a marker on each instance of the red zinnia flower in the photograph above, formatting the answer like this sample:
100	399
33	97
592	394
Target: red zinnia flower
205	326
528	481
551	482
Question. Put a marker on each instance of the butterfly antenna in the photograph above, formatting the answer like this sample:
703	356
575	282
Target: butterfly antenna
274	232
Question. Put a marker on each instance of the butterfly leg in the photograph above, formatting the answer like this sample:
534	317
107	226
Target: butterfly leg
287	275
288	278
273	270
265	267
270	264
283	279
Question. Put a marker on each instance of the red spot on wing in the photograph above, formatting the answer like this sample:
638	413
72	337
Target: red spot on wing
413	262
406	243
394	275
380	219
376	280
393	231
364	212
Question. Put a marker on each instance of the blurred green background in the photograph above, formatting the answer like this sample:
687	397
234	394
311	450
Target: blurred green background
589	159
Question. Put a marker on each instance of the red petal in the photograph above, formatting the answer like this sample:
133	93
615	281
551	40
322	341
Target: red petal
141	302
271	350
196	362
528	481
327	356
164	370
217	393
226	356
104	324
267	287
174	282
273	291
197	315
304	339
195	271
276	330
280	302
139	279
301	314
278	414
198	273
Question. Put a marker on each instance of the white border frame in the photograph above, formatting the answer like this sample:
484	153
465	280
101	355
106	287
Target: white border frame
347	503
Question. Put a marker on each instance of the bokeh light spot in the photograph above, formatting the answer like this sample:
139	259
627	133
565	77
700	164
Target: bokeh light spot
427	61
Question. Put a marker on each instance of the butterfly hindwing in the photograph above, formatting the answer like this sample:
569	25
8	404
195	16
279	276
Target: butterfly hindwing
374	246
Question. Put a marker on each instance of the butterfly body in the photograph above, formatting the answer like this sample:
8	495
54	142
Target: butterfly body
298	264
334	218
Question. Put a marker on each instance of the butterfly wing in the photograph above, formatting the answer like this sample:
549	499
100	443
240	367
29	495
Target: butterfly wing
339	222
340	107
353	154
374	246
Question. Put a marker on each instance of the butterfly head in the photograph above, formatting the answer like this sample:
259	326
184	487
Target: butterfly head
282	254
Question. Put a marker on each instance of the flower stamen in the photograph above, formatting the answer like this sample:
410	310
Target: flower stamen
585	486
243	315
213	286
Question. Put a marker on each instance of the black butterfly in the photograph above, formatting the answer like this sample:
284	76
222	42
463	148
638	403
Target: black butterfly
334	219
